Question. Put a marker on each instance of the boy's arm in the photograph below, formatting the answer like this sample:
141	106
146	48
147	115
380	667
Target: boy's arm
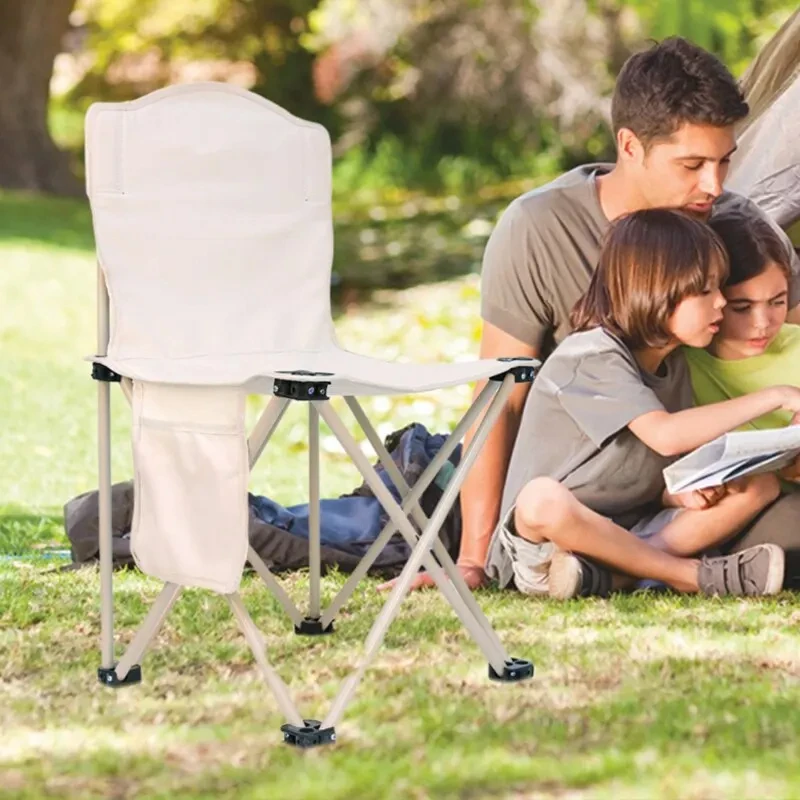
678	433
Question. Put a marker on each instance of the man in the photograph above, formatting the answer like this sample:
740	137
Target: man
674	110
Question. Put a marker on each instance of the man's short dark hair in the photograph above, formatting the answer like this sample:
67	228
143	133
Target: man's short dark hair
672	83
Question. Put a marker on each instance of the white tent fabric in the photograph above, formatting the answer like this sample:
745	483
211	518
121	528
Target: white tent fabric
213	226
766	166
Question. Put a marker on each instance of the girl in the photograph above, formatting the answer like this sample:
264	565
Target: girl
754	348
610	409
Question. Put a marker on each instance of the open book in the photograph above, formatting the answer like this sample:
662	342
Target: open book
733	455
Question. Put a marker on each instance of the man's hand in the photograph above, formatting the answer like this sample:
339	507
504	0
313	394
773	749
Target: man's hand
474	577
697	500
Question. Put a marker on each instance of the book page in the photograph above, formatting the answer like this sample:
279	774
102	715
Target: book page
733	455
744	444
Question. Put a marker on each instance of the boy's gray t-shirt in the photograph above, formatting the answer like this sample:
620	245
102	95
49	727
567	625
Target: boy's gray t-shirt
574	429
542	253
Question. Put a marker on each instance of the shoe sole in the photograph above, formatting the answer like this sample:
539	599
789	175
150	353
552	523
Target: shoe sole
564	578
777	567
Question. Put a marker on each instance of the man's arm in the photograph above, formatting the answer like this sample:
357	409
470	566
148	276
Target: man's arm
482	490
515	296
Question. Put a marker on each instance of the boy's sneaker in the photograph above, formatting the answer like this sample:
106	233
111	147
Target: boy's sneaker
755	571
576	576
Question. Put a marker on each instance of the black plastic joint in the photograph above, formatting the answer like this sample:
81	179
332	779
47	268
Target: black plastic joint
310	735
108	676
521	373
301	390
515	669
102	373
312	626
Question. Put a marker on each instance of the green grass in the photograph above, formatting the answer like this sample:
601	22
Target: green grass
639	696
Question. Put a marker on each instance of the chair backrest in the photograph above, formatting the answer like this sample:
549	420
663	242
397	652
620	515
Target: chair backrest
212	220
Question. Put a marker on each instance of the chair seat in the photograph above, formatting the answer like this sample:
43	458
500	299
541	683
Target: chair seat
348	374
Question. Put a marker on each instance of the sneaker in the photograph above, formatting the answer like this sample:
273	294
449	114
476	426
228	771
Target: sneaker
571	575
752	572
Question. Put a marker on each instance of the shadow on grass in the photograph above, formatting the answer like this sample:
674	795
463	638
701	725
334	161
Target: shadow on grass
678	727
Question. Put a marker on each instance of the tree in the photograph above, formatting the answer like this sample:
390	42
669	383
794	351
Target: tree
30	38
141	45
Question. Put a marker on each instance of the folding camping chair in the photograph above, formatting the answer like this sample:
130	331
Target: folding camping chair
213	226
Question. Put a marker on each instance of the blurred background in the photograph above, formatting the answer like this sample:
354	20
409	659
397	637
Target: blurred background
440	110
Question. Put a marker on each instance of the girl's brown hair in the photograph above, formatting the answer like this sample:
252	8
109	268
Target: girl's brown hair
752	244
650	261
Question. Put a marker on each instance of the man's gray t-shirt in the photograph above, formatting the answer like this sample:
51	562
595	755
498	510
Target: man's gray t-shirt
541	256
574	429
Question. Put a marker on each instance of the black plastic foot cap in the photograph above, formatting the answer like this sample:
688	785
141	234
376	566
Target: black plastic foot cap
312	626
515	669
310	735
108	677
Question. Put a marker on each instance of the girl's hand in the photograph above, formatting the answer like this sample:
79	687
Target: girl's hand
790	400
697	500
791	472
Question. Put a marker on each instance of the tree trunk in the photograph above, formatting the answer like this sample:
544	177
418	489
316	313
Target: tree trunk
30	39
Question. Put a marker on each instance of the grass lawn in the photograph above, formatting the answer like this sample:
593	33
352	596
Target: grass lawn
641	696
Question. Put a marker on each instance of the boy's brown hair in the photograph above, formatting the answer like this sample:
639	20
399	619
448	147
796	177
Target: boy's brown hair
752	244
650	261
672	83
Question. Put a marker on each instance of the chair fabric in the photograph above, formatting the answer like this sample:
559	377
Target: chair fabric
212	218
190	480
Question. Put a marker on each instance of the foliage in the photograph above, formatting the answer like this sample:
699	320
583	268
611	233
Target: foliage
139	45
435	94
733	29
